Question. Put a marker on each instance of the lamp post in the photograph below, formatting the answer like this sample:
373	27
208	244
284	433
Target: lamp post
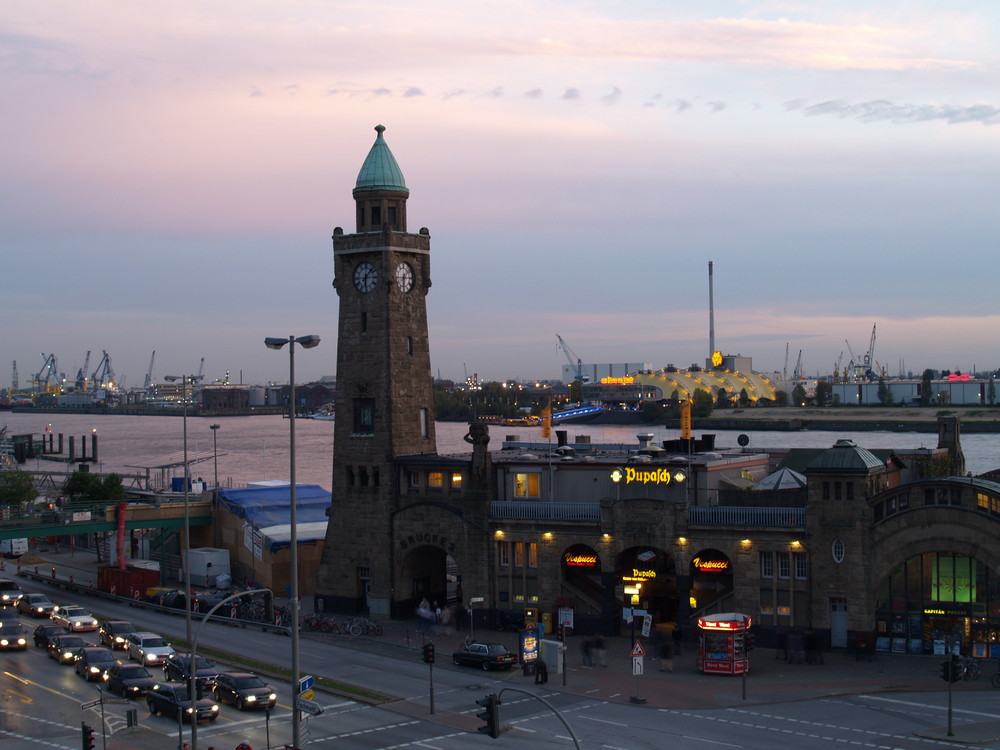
215	451
306	342
185	380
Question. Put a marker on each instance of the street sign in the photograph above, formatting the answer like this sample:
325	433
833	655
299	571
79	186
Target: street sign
477	600
638	650
90	704
308	707
306	682
647	624
308	695
637	665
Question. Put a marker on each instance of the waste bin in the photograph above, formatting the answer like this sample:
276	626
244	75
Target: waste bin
547	619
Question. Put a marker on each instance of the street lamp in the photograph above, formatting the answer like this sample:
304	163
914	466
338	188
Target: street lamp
215	456
192	684
306	342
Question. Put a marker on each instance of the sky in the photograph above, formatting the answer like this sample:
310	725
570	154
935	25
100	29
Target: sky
172	173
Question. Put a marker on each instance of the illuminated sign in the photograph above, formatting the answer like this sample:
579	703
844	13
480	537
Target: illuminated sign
618	381
640	575
956	377
707	623
643	476
714	566
580	561
716	359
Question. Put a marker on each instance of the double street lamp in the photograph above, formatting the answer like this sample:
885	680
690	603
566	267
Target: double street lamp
306	342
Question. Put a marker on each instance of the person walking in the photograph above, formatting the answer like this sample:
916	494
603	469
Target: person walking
600	650
588	654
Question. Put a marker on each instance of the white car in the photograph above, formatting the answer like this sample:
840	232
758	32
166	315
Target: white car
149	649
75	619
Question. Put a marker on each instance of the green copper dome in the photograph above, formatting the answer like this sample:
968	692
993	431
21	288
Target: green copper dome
380	170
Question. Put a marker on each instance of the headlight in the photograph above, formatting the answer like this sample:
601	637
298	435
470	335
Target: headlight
94	670
22	642
150	657
67	655
3	641
251	699
39	610
119	639
272	696
190	710
215	707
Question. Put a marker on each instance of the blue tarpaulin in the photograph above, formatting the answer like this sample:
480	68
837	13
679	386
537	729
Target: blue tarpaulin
269	510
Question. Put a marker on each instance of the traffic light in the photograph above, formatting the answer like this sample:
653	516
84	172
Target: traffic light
559	632
491	715
88	736
950	671
428	653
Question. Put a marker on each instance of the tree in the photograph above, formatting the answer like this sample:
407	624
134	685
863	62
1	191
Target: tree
798	395
84	486
781	398
883	392
744	397
925	388
702	403
576	391
16	488
722	399
823	390
991	391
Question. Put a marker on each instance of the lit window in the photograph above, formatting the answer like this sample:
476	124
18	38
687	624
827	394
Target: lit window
838	551
526	485
532	555
435	480
456	480
519	554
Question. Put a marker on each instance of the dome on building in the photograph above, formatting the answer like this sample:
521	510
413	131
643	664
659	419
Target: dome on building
380	170
845	458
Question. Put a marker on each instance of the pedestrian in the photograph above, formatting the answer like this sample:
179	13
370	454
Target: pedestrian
600	651
677	635
587	648
541	672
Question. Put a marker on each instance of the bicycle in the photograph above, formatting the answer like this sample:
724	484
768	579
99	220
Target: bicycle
970	670
995	678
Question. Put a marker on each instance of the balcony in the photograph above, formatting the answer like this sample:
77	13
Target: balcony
739	517
538	510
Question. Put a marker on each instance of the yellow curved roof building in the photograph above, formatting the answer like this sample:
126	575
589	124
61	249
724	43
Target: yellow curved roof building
686	382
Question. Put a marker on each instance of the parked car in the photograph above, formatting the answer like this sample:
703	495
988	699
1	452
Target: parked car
10	592
93	662
63	647
129	680
43	633
487	656
73	618
177	667
35	605
13	637
244	690
173	700
114	632
148	649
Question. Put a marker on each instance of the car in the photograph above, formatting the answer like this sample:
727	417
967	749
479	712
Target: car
13	637
177	667
244	690
63	647
149	649
10	592
112	633
35	605
43	633
8	614
485	655
174	701
129	680
93	662
74	618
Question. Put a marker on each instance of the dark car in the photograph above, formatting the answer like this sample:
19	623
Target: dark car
177	667
244	690
35	605
93	662
63	648
10	592
129	680
114	632
13	637
485	655
44	633
172	700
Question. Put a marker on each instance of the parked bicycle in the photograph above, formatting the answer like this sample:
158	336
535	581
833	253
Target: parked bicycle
970	669
363	626
320	624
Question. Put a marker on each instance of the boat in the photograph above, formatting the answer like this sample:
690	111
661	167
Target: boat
326	416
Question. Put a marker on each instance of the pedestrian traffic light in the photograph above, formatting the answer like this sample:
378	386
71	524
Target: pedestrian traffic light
428	653
559	632
491	715
950	671
88	736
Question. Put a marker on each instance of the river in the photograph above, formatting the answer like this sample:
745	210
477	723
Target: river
256	448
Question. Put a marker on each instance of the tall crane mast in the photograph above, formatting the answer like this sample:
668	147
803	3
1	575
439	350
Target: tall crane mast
201	369
870	357
104	376
48	372
81	374
148	383
578	364
13	380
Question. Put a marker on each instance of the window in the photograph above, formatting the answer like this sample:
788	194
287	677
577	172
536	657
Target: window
456	480
364	416
526	485
413	479
982	501
363	475
376	215
783	569
826	490
350	476
766	565
503	553
364	322
836	490
838	551
435	480
518	554
801	566
409	345
423	423
532	555
850	490
392	215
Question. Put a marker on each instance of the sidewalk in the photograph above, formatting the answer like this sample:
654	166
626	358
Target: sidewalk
770	680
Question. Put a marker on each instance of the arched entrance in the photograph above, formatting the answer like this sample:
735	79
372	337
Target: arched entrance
711	582
581	579
430	573
656	573
939	602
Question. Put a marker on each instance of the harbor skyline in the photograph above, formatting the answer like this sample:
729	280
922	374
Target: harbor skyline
172	178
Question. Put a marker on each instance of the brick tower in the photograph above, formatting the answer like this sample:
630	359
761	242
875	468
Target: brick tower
384	402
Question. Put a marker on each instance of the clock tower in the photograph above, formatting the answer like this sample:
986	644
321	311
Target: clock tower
384	402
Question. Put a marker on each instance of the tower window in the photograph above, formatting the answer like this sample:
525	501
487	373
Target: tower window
364	416
392	215
409	345
424	421
364	322
376	215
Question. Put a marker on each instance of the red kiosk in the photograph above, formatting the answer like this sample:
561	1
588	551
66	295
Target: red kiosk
722	644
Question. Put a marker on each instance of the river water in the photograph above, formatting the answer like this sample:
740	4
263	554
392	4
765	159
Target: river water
255	448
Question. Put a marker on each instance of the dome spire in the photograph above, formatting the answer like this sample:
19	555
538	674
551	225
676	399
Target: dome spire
380	170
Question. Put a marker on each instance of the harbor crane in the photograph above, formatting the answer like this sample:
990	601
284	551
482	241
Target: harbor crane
104	376
13	379
81	374
148	382
47	379
861	369
571	356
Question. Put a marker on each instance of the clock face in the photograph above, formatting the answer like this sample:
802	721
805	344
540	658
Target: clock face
404	277
365	277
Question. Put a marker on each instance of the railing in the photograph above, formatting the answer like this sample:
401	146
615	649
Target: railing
739	516
538	510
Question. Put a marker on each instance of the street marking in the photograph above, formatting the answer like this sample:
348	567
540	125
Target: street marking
605	721
914	704
711	742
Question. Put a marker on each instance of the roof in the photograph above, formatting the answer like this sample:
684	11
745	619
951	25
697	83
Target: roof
380	170
845	457
782	479
269	509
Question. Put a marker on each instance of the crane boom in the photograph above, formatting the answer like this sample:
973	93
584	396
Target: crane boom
148	383
570	355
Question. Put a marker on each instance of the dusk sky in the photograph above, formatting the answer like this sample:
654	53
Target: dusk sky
172	173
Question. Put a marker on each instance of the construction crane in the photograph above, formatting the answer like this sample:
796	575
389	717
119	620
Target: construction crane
798	367
571	356
861	369
836	368
81	374
148	382
47	379
104	376
201	370
869	359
